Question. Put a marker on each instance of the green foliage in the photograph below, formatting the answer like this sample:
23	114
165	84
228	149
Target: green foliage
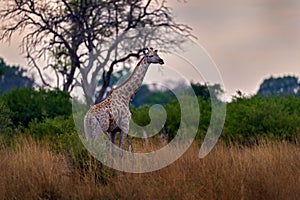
257	117
47	114
173	118
50	127
63	138
247	119
140	115
5	121
61	131
13	77
201	90
27	104
205	114
147	96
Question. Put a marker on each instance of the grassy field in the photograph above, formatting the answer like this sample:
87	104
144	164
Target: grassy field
266	171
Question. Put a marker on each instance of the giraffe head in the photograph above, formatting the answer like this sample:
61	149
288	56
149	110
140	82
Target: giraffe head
152	56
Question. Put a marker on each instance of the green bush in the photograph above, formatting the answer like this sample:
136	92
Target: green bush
62	137
205	114
247	119
6	126
50	127
261	117
47	113
141	117
5	121
28	104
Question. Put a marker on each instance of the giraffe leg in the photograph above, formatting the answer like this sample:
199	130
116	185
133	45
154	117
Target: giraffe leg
124	126
122	139
112	136
129	145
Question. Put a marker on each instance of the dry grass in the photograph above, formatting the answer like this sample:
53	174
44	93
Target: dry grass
266	171
31	171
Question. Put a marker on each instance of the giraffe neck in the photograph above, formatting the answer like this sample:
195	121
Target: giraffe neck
129	88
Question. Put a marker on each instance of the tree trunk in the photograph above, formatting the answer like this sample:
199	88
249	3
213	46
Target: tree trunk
70	76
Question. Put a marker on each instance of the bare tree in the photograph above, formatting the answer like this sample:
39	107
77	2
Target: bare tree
85	40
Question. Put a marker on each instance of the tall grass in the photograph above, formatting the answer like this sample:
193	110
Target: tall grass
29	170
266	171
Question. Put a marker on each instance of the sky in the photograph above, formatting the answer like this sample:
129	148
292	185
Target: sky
248	40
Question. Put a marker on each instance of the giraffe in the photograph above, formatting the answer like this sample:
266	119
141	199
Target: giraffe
113	115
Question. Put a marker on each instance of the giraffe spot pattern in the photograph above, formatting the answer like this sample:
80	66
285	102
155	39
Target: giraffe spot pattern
113	113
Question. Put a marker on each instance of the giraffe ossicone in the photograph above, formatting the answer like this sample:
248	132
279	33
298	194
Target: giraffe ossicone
112	115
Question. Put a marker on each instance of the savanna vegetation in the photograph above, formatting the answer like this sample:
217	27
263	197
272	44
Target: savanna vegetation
257	155
32	170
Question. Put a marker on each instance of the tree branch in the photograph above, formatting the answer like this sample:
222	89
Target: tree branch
32	60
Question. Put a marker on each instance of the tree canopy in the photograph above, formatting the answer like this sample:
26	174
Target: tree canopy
27	104
85	40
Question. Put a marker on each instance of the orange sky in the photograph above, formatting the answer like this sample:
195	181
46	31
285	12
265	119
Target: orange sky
249	40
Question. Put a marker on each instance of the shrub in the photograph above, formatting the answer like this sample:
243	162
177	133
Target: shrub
50	127
5	121
27	104
258	117
63	138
